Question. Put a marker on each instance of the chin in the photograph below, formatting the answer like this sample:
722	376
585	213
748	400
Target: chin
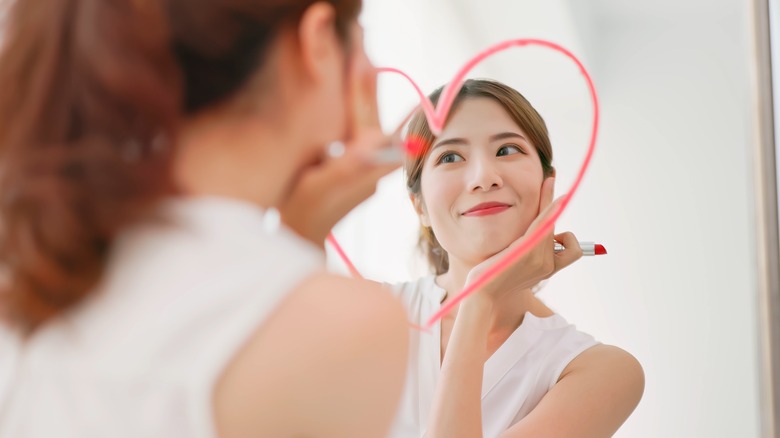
490	244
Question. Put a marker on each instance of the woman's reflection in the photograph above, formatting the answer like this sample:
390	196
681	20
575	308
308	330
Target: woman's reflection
502	363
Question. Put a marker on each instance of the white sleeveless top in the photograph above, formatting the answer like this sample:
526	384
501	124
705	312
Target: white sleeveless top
515	378
141	356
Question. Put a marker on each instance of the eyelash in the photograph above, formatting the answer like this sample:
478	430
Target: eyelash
440	160
519	149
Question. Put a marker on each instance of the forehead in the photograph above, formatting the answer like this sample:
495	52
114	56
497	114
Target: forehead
477	117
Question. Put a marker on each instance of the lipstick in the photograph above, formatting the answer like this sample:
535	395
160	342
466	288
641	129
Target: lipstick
389	155
588	248
486	209
397	151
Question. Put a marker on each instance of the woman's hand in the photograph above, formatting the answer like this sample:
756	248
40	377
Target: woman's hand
326	192
331	188
540	263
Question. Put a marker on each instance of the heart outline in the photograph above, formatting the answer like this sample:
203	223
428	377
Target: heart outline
437	116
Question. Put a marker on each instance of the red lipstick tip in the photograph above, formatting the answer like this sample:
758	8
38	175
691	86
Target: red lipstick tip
414	146
599	249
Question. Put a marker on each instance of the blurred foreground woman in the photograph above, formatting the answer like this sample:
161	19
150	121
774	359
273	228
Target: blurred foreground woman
141	144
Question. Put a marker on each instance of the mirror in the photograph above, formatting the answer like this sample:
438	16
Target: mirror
670	191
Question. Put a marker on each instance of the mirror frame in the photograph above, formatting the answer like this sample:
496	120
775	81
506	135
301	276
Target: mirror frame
766	214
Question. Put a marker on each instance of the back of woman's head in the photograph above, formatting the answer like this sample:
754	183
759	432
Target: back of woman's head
93	91
519	110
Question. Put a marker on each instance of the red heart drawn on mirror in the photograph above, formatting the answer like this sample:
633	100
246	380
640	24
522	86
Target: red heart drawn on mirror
437	116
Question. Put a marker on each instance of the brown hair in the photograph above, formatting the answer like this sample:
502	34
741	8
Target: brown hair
92	93
518	108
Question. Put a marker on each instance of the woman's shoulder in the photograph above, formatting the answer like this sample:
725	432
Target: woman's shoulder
556	344
609	375
359	301
611	364
328	311
603	376
324	346
576	350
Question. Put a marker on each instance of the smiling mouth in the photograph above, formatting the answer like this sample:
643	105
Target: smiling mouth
486	209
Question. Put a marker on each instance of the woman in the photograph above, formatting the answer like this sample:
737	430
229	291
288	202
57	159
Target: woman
141	143
502	363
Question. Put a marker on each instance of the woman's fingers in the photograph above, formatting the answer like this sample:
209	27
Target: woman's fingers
571	253
542	255
547	194
544	216
328	191
546	204
359	172
356	165
544	249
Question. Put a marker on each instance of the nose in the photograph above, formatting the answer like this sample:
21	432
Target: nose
484	175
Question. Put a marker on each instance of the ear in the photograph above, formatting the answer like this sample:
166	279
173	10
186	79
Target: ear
419	208
318	40
553	173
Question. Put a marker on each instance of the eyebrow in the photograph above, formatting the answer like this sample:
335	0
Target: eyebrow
462	141
505	135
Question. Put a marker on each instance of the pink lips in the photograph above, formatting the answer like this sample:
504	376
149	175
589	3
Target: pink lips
486	208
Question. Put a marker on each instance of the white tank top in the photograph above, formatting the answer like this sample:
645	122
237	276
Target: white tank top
515	377
141	356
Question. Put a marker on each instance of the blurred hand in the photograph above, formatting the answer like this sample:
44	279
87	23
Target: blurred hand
540	263
331	188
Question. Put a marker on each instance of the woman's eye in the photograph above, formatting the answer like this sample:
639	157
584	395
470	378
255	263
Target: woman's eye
508	150
449	157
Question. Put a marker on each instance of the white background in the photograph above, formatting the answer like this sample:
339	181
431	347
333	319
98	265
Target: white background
668	193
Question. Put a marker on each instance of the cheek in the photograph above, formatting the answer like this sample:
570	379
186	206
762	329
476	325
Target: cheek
529	186
440	192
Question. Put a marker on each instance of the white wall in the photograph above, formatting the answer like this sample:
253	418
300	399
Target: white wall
669	191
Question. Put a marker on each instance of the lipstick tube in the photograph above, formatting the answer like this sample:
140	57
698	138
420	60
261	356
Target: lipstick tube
588	248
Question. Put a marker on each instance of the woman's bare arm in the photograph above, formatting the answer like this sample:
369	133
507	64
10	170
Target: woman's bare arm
457	407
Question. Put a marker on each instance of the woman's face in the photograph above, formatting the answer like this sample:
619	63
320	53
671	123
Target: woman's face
480	182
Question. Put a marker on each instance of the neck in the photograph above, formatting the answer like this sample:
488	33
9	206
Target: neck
237	159
508	308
